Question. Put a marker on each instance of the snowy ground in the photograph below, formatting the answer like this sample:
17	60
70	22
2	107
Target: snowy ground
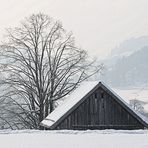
74	139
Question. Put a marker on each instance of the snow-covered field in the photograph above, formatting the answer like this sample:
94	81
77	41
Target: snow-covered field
74	139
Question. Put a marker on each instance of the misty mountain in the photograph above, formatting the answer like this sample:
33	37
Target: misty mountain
125	49
130	46
129	67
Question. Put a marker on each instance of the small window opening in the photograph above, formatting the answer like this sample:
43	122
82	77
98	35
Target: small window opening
103	105
95	95
102	95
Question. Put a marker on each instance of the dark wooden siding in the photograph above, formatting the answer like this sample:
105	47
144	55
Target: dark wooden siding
100	111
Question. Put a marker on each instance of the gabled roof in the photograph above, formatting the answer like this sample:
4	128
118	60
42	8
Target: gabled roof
77	97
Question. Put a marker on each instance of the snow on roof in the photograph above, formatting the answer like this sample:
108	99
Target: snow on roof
73	98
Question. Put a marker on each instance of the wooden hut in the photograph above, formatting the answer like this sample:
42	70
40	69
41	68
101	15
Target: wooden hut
94	105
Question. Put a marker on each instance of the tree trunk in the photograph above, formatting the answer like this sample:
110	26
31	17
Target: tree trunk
41	116
51	106
46	108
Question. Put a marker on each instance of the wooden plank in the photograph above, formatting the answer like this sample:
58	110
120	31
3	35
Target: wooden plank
105	110
109	110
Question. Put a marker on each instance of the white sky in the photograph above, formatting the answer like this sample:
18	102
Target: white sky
98	25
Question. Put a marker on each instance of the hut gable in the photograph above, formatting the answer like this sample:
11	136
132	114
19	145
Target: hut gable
94	105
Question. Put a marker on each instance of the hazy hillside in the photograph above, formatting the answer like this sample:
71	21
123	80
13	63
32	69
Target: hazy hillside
130	46
128	69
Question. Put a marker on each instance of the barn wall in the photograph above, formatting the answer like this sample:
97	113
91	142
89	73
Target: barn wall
100	111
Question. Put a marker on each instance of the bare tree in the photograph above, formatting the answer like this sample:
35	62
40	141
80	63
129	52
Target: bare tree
137	105
40	65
